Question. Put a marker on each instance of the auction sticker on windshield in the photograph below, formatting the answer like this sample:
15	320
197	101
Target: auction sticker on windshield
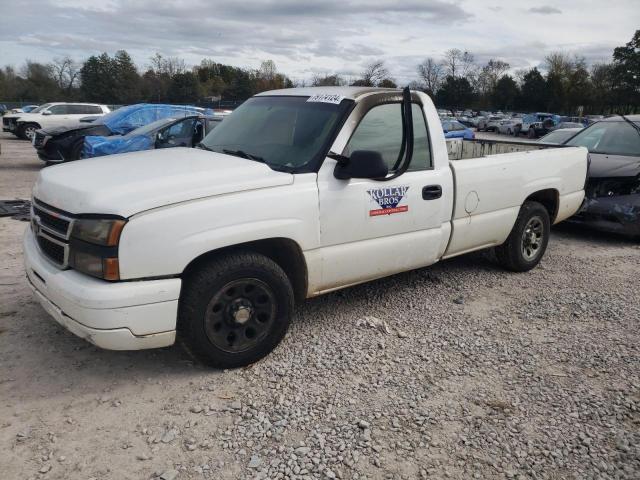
387	200
326	98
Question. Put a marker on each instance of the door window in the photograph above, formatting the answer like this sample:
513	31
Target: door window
179	134
59	110
381	130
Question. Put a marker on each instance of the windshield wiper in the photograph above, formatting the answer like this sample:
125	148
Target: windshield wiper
243	154
202	146
633	124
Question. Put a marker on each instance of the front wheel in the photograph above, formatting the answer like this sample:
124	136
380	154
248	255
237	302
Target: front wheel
235	309
527	242
531	133
28	131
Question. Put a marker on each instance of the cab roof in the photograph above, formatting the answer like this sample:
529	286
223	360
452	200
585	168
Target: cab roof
351	93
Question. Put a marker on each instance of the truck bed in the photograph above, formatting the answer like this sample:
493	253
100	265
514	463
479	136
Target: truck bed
495	178
459	149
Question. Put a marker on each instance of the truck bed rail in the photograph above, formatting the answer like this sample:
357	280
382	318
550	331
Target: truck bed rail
459	149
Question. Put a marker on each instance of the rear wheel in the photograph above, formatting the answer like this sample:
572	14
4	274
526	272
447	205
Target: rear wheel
235	309
531	133
527	242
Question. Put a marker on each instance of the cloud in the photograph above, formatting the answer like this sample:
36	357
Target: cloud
328	36
545	10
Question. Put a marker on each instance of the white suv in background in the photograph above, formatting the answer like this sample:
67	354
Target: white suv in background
51	115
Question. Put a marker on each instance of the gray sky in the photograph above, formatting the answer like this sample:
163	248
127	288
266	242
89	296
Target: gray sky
308	36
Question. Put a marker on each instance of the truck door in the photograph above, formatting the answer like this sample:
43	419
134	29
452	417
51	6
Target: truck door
371	228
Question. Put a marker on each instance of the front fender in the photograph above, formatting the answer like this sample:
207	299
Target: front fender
163	241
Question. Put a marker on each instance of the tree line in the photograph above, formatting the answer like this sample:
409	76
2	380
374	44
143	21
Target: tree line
563	84
116	80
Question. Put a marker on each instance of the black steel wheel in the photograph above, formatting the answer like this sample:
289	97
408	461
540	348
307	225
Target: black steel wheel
239	315
235	309
527	242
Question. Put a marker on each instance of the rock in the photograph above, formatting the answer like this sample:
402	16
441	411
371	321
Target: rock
45	468
363	424
169	436
459	300
195	409
255	461
236	405
169	475
304	451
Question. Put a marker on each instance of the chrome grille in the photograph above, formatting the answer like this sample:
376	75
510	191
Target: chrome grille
52	229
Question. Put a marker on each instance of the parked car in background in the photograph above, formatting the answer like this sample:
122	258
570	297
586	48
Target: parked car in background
558	137
612	195
55	145
49	115
455	129
535	125
510	126
3	109
24	109
477	120
490	123
165	133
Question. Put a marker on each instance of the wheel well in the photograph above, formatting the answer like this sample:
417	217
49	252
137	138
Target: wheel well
284	251
549	199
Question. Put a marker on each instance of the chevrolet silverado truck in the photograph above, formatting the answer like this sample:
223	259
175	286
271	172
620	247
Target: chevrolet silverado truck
299	192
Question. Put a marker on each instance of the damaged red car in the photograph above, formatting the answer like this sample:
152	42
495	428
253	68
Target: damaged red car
612	200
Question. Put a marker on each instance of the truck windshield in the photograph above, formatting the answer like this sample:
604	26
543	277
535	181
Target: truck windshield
286	132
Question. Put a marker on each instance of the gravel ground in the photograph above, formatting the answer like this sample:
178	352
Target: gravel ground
460	370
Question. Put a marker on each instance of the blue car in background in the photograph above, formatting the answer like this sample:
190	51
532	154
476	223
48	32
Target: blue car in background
164	133
62	144
455	129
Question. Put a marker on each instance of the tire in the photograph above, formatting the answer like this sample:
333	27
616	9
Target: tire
235	309
527	242
531	133
27	130
76	150
509	131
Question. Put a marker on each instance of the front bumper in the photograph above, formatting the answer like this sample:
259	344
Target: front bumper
116	316
617	214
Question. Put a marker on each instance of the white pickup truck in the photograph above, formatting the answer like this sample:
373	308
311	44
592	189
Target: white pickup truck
299	192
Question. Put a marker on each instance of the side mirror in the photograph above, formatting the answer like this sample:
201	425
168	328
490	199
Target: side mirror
362	164
46	112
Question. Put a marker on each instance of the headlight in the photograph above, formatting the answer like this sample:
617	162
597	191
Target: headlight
94	247
98	231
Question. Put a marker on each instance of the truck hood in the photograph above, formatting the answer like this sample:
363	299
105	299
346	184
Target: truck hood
134	182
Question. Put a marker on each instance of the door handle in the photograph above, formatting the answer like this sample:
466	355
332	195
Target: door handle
431	192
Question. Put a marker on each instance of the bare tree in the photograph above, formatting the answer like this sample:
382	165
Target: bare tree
467	64
559	64
334	80
374	73
66	72
268	70
431	73
489	75
169	66
452	61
